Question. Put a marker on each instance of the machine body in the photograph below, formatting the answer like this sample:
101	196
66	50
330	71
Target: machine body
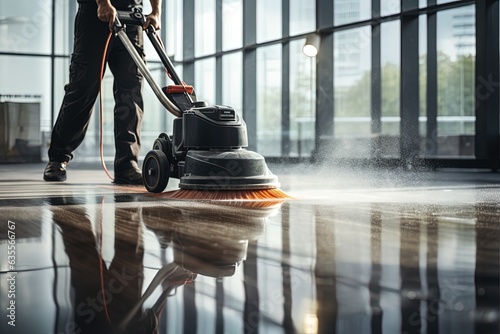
207	149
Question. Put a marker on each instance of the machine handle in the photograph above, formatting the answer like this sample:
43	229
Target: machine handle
133	17
136	17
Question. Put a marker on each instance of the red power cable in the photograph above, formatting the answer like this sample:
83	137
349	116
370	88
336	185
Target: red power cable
101	144
101	270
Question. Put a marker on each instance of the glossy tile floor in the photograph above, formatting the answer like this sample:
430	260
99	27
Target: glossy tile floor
356	251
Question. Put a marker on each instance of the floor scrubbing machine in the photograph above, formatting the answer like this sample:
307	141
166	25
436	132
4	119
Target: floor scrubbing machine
206	150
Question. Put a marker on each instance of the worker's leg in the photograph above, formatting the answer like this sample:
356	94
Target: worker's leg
127	90
83	86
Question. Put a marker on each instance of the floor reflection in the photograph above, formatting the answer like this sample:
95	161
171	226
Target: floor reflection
447	269
487	269
210	240
102	294
136	264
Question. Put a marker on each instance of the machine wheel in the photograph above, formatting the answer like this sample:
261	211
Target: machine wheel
163	135
155	171
164	144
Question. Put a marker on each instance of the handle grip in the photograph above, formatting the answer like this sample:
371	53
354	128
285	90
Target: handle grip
133	17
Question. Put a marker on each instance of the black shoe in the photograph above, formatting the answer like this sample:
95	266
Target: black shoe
133	175
55	171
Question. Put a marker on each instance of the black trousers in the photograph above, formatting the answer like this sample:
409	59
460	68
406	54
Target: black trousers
83	88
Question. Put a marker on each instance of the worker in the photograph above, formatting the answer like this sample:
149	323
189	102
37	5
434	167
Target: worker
93	22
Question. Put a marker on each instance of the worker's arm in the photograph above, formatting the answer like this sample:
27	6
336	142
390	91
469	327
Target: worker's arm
106	12
154	17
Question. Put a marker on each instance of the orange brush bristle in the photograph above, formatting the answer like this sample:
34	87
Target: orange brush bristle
227	195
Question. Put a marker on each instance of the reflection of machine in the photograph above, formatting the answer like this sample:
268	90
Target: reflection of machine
207	239
210	240
197	255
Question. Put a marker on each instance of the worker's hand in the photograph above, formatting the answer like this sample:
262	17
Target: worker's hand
106	12
154	20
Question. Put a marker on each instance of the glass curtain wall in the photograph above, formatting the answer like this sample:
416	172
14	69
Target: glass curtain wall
456	81
232	63
232	80
302	81
204	27
422	58
350	11
204	80
352	79
389	7
390	56
302	100
302	17
355	82
269	100
232	27
266	36
26	49
268	20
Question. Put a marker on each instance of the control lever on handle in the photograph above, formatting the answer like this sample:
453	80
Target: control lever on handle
133	17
